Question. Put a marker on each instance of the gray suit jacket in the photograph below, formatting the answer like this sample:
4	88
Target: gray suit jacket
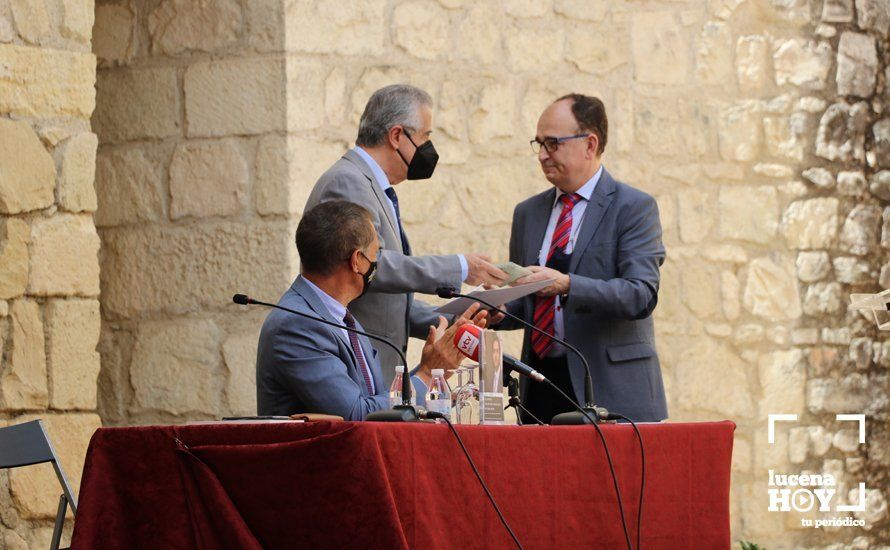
388	309
306	366
614	273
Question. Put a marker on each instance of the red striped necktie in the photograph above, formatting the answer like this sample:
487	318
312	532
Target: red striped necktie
349	321
545	307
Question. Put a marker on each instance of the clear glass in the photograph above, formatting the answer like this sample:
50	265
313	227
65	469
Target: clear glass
461	374
466	397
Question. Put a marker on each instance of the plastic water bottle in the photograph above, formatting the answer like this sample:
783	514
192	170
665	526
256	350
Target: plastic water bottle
395	390
438	398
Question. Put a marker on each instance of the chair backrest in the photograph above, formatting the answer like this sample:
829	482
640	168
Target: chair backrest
24	444
27	444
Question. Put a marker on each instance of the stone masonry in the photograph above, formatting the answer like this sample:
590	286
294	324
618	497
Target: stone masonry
759	125
49	265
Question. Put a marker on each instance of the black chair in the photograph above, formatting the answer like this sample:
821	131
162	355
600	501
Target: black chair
28	444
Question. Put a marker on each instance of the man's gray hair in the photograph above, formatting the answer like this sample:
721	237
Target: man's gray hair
395	105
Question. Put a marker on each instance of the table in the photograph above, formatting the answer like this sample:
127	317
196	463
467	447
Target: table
377	485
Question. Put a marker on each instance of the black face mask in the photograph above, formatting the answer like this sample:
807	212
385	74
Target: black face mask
424	161
368	275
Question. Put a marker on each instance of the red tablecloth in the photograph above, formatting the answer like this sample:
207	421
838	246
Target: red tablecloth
370	485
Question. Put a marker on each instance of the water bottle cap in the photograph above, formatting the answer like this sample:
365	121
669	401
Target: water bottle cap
400	369
438	372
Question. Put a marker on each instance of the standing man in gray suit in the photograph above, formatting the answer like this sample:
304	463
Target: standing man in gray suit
599	240
393	145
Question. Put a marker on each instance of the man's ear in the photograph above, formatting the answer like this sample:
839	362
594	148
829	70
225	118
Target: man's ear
393	135
593	145
353	261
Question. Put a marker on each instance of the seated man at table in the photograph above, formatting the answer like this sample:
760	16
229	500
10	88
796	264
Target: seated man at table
307	366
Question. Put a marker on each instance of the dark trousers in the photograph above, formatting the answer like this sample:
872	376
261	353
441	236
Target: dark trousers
540	399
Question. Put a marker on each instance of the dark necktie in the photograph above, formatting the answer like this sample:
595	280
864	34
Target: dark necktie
349	321
391	193
545	307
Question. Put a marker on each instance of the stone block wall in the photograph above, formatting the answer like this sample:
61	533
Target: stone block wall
837	225
49	267
192	176
759	125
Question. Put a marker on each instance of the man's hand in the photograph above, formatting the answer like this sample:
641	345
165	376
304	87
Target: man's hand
495	317
559	286
439	351
474	314
482	271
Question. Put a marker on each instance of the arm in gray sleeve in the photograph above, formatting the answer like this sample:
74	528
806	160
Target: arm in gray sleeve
634	293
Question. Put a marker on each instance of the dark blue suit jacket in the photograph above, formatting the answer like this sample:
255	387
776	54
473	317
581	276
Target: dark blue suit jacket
614	274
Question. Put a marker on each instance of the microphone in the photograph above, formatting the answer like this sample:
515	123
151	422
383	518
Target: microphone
513	363
400	413
467	339
591	413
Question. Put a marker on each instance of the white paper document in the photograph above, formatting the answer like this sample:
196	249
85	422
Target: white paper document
496	296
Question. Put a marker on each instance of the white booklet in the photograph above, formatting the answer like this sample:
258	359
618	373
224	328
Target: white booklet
495	296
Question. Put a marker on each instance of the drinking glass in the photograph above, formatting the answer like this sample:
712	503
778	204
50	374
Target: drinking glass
467	398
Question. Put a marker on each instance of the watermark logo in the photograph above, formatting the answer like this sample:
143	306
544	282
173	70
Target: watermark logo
803	492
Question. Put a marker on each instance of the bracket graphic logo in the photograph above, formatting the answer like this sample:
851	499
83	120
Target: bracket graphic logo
876	303
804	492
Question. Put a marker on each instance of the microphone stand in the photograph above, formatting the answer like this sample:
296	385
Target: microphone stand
589	413
399	413
516	403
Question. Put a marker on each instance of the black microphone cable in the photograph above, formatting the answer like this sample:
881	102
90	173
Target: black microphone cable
432	414
450	293
608	459
642	473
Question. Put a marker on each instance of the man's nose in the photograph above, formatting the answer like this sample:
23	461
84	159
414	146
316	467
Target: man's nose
543	154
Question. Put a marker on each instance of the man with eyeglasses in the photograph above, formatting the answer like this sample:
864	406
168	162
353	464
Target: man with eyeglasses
304	366
393	145
599	240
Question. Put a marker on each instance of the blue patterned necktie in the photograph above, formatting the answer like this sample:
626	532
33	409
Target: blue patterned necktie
391	193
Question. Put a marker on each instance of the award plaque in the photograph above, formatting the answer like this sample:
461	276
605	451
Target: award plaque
491	394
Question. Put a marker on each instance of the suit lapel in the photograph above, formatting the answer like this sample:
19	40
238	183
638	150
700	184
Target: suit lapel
354	158
318	307
314	301
593	215
536	226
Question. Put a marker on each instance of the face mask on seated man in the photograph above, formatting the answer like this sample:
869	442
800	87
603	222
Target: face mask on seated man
304	366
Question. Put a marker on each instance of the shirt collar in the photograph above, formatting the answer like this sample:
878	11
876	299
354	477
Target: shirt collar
336	309
378	172
587	189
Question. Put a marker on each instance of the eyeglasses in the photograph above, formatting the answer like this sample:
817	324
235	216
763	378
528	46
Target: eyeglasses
551	144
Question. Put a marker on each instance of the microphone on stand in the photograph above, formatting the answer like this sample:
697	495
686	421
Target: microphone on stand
467	339
400	413
590	413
